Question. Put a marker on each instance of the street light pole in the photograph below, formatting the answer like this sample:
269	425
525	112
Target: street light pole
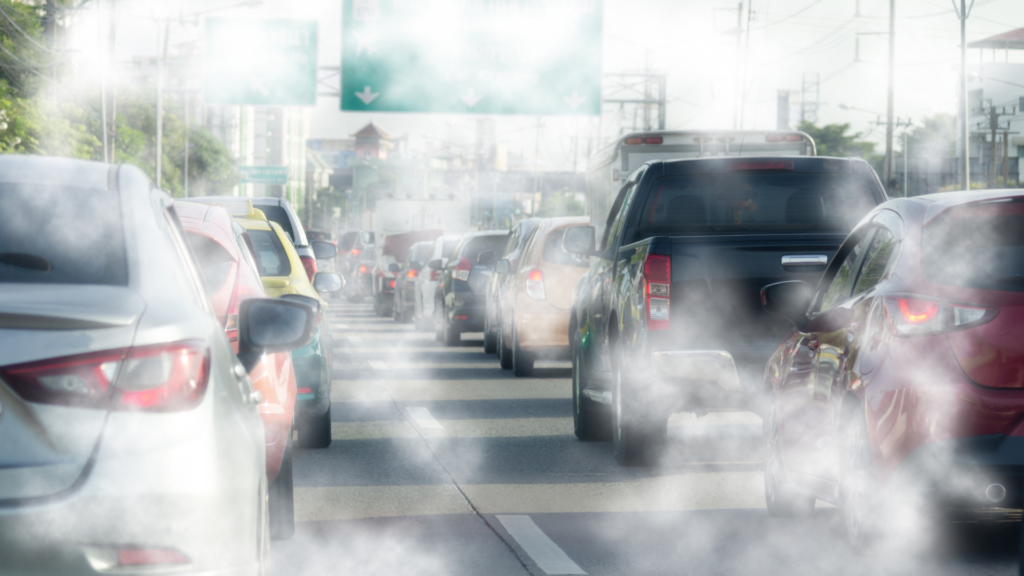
887	167
965	137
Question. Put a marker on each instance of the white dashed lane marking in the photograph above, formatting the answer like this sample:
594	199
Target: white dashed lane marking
378	364
543	550
421	416
355	339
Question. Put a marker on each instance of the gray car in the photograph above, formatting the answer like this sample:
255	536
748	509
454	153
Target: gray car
129	436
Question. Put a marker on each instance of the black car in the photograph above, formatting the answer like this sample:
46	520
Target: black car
459	300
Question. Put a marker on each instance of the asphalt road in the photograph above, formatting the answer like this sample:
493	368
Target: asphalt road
442	463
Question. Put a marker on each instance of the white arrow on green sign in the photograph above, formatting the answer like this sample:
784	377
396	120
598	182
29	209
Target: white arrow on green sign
494	57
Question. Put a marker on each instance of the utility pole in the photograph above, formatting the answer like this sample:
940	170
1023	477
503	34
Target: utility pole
964	128
111	59
892	124
887	167
103	77
739	68
160	101
992	128
746	64
1006	159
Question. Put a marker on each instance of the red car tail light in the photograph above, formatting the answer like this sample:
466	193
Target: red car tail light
160	378
310	265
634	141
392	283
410	274
356	252
362	269
653	140
743	166
911	316
658	286
535	285
150	557
462	270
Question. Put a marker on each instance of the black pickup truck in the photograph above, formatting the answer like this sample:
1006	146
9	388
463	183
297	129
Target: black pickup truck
668	318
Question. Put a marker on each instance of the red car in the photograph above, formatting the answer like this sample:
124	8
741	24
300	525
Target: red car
228	268
904	378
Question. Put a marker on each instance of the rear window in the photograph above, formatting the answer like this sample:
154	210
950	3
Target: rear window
449	245
482	244
59	235
280	215
977	246
213	260
420	253
270	254
755	202
554	254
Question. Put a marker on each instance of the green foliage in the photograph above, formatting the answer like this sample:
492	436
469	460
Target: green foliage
935	137
560	203
833	140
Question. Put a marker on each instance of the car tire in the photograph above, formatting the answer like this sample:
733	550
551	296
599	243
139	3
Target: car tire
315	431
591	421
376	305
452	336
504	353
438	323
282	499
637	439
522	361
859	492
490	337
781	501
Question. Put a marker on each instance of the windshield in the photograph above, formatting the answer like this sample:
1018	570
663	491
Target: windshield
976	246
53	235
482	244
270	254
756	202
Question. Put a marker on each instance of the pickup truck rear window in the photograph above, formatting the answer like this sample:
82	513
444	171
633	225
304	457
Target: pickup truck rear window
701	204
976	246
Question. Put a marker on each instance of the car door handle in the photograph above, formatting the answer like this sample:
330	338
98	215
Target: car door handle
804	260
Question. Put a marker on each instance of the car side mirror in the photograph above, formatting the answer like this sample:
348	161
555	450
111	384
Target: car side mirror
579	240
435	264
366	237
788	299
394	267
416	265
486	258
326	282
324	250
268	325
503	266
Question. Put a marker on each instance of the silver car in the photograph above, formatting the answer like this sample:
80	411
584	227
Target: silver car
129	436
426	283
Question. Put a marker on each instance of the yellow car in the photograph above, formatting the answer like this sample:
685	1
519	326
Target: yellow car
282	274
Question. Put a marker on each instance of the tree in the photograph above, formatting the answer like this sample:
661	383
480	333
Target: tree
560	203
934	137
833	140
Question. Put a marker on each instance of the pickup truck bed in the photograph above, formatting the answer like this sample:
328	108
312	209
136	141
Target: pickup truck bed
668	318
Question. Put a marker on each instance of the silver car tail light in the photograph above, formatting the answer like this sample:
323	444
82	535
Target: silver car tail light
160	378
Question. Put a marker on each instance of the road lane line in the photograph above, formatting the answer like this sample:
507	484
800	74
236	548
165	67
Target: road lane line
355	339
378	364
421	416
543	550
314	503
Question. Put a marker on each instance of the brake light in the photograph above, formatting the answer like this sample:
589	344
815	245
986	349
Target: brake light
784	138
907	316
634	141
356	252
652	140
740	166
657	289
410	274
362	269
162	378
535	285
392	283
150	557
310	265
462	270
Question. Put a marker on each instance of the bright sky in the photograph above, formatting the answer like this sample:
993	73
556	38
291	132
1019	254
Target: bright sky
694	42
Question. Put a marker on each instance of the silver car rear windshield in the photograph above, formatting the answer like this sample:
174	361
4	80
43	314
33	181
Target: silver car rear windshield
61	235
756	202
977	246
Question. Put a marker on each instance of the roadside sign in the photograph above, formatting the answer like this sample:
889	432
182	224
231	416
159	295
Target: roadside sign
451	56
264	174
260	62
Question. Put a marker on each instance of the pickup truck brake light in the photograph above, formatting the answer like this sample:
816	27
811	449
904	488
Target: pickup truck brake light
462	270
535	285
657	289
773	165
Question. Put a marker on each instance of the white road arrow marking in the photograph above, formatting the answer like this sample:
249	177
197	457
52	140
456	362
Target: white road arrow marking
575	100
366	96
471	98
542	549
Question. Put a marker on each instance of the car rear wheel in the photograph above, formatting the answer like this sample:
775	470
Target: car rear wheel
438	323
504	353
781	501
282	499
452	336
590	420
637	439
522	361
858	487
315	431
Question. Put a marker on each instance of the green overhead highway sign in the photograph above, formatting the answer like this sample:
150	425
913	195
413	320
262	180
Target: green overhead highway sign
260	62
264	174
472	56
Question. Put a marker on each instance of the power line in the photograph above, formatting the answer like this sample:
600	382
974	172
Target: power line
28	37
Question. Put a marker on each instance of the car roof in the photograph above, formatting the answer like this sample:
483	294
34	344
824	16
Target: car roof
721	164
54	171
942	201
